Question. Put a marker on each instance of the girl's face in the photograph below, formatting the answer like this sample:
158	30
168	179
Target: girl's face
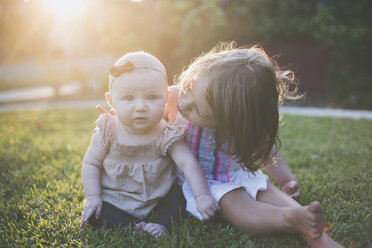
193	104
139	99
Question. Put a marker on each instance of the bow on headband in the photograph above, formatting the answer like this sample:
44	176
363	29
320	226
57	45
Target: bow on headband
116	71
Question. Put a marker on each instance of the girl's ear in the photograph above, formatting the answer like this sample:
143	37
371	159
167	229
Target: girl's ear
109	99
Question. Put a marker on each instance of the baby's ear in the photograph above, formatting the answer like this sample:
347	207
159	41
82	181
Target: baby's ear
108	99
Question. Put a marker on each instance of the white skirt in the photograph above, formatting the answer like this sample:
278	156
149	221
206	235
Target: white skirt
252	183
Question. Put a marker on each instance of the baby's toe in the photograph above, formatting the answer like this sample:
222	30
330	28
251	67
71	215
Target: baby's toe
150	227
140	227
147	227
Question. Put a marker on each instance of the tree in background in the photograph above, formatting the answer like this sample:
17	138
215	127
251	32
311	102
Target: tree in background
339	30
327	42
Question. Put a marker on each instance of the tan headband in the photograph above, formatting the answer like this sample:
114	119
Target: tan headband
116	71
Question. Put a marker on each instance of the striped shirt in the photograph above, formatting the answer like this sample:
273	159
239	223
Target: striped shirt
202	143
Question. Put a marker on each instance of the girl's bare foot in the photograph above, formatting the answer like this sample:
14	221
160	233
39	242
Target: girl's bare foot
323	242
156	230
307	220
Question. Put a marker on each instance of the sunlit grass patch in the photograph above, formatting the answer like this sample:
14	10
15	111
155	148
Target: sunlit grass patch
41	194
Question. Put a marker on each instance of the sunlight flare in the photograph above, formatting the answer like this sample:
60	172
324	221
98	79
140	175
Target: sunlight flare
65	8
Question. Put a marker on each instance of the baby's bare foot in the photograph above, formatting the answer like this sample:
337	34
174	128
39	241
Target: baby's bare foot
307	220
156	230
140	226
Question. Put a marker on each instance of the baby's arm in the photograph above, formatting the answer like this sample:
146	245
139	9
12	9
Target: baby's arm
91	176
283	176
194	174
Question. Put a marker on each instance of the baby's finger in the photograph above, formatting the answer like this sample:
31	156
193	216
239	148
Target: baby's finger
204	216
89	213
211	213
288	189
112	112
296	194
98	211
217	206
81	222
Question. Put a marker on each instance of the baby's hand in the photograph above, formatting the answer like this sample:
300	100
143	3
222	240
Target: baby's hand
292	189
207	206
92	204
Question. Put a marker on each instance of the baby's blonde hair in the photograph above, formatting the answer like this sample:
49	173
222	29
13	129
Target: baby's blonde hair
244	89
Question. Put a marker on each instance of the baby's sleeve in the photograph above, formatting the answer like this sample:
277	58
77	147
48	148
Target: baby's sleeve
170	135
105	124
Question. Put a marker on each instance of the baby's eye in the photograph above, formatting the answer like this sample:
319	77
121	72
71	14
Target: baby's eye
128	98
151	97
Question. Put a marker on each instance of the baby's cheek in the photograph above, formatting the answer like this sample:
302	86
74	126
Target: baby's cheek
159	109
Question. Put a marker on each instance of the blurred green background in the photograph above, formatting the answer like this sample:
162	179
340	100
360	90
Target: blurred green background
327	43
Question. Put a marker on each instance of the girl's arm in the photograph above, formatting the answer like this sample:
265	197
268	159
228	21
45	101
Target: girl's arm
104	111
91	178
171	111
194	174
283	176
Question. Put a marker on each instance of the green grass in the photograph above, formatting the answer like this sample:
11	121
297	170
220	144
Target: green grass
41	193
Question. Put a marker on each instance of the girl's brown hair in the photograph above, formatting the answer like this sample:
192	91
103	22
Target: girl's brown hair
244	90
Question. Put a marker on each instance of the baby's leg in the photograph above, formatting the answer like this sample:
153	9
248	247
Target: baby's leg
111	217
275	212
171	209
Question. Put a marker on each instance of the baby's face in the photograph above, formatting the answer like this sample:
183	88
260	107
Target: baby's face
139	99
193	104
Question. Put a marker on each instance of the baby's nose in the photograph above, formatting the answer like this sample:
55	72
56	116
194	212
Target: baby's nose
141	105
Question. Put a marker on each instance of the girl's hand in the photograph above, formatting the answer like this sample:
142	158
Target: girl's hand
104	111
92	204
292	189
207	206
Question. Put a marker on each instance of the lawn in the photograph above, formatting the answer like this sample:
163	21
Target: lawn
41	194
